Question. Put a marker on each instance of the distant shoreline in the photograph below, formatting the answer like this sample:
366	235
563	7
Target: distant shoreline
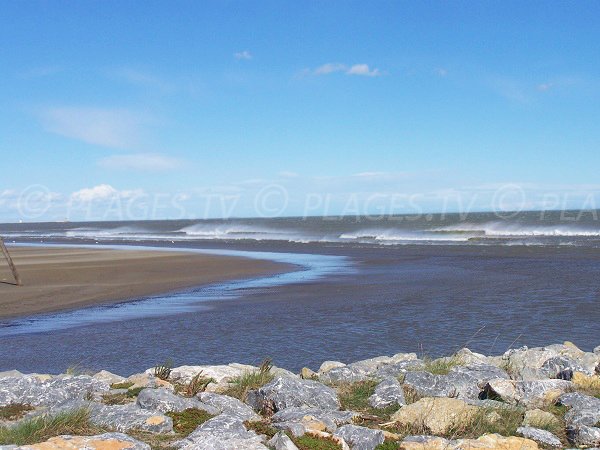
64	278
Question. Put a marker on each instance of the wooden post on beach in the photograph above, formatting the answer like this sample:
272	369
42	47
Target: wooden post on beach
10	262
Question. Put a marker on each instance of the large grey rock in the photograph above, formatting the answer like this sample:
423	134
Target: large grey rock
342	375
525	362
328	365
229	406
360	438
222	433
11	374
283	392
330	418
220	373
584	435
469	381
31	390
165	401
540	436
530	394
557	366
584	410
597	350
387	393
127	417
426	384
282	442
101	441
397	369
108	377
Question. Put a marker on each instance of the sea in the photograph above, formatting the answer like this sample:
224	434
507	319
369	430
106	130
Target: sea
357	287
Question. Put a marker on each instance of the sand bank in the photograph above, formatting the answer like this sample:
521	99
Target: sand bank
57	279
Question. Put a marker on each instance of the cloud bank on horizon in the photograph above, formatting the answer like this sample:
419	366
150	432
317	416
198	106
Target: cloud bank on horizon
350	101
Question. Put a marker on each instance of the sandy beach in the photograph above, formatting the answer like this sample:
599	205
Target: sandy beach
57	279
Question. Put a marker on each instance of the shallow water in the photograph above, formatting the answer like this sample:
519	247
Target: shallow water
376	300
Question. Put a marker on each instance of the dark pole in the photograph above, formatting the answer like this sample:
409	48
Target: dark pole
10	262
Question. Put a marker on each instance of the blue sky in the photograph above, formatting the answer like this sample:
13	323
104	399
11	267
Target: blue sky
288	108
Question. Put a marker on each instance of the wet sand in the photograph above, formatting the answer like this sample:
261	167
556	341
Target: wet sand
56	279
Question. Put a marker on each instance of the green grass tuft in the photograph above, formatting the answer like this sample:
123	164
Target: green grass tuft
188	420
261	427
240	386
388	445
42	428
309	442
14	411
123	385
441	366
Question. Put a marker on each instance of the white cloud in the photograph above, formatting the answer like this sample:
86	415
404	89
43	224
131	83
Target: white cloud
246	55
150	162
103	192
356	69
140	78
363	70
106	127
545	86
441	72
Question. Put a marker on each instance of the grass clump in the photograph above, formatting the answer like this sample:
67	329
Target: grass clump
261	427
188	420
586	384
122	398
310	442
240	386
14	411
196	385
388	445
163	371
42	428
156	441
441	366
503	421
122	385
355	397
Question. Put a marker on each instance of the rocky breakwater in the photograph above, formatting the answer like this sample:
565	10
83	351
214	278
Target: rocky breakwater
526	398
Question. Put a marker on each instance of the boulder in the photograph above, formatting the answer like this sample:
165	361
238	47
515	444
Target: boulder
584	435
468	381
308	374
106	441
229	406
525	362
147	380
29	389
397	369
437	415
426	384
583	409
283	392
310	418
342	375
530	394
328	365
127	417
542	437
360	438
387	393
282	442
558	366
488	441
220	373
164	401
221	433
108	377
537	418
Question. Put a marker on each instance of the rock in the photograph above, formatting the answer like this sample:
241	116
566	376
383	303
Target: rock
220	373
400	357
426	384
221	433
584	435
540	436
307	374
468	381
165	401
528	358
360	438
342	375
387	393
368	366
280	372
310	418
468	357
108	378
397	369
328	365
597	350
31	390
127	417
584	410
537	418
106	441
11	374
229	406
559	365
282	393
488	441
436	414
530	394
147	380
282	442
